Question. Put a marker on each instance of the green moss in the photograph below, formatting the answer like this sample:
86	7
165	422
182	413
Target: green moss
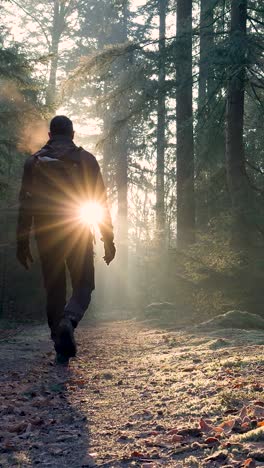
256	435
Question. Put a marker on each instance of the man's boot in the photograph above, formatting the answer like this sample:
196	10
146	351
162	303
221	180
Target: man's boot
65	343
62	360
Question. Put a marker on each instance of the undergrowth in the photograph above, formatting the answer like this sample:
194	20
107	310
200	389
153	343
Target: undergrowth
211	277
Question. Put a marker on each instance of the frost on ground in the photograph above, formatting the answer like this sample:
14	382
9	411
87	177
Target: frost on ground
135	396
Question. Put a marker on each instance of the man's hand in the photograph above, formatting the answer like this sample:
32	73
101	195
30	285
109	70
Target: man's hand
24	256
110	252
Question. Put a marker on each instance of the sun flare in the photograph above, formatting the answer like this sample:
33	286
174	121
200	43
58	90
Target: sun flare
91	214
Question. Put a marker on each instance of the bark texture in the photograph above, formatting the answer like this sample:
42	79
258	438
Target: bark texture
206	87
206	106
235	151
58	25
184	122
161	124
122	161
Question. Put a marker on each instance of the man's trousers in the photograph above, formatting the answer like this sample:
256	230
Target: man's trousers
60	248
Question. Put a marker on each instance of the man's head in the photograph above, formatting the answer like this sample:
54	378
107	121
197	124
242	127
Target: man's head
61	125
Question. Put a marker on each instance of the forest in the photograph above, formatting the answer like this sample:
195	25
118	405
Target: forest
166	366
169	96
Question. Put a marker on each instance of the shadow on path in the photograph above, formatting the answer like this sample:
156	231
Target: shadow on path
41	423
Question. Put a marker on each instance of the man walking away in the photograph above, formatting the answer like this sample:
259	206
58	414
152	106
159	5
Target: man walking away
60	182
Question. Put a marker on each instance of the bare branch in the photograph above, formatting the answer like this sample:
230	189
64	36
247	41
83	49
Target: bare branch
18	4
256	168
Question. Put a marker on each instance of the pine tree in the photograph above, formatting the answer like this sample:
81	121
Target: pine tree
184	122
161	125
53	22
235	151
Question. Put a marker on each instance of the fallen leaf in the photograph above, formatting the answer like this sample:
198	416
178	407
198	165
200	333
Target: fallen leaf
205	427
173	431
160	440
191	432
21	427
8	445
239	385
230	411
211	440
77	382
176	438
36	421
243	413
259	403
249	463
258	411
227	426
137	454
257	387
218	429
218	456
260	423
245	426
246	420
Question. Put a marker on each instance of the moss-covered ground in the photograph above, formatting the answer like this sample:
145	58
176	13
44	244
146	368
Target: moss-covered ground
134	396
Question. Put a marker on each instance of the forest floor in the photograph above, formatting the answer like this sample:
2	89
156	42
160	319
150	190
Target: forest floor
135	396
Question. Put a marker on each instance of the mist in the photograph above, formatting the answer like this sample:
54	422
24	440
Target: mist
151	108
132	233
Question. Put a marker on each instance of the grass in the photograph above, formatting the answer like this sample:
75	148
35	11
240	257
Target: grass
233	398
256	435
212	278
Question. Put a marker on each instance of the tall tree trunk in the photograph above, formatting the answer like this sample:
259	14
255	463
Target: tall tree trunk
184	122
105	113
206	102
206	42
122	188
160	209
122	165
235	153
57	28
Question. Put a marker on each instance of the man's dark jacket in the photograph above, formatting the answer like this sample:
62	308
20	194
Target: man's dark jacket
90	186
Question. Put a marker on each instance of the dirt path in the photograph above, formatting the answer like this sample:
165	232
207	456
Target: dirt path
135	396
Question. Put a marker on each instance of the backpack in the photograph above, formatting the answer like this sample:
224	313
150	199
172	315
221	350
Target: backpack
56	183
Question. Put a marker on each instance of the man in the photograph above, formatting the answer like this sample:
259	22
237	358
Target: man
57	181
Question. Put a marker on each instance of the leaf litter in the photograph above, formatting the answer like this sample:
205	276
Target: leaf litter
132	399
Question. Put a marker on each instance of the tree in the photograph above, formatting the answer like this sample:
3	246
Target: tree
184	123
122	148
235	152
206	101
52	21
58	25
20	108
206	79
161	124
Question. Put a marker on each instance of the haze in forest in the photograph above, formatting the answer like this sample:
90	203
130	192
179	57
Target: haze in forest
168	95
